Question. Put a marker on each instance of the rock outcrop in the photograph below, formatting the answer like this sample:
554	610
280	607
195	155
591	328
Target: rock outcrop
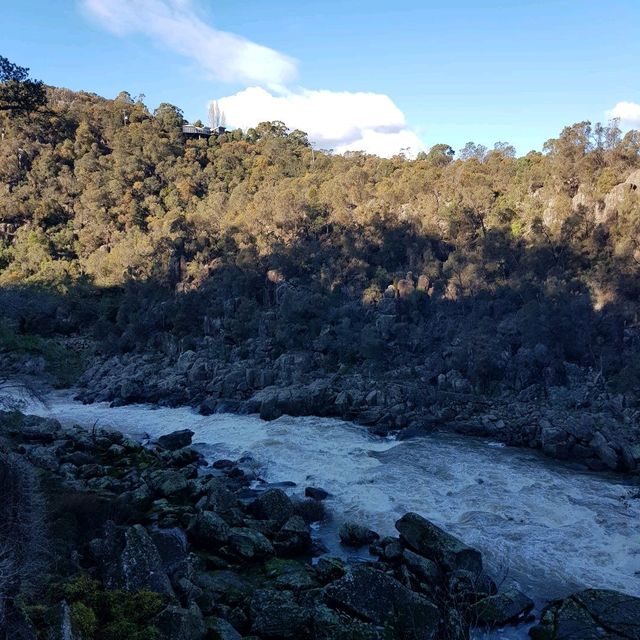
594	614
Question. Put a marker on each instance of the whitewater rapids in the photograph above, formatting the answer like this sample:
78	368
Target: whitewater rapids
545	527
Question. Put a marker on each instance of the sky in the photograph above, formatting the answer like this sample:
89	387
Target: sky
372	75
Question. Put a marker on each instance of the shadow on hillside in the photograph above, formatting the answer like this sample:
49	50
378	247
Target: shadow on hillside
503	314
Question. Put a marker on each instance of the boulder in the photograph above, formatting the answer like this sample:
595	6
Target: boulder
183	457
176	623
223	586
249	544
432	542
141	566
274	504
172	546
35	429
355	535
330	569
501	609
209	530
327	624
424	569
593	614
217	497
293	538
605	452
374	596
316	493
469	587
176	440
270	408
168	482
290	575
276	615
294	400
219	629
393	551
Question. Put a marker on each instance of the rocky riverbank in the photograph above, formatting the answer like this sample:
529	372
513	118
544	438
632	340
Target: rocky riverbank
146	540
578	423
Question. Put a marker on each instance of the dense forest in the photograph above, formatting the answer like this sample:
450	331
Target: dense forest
482	266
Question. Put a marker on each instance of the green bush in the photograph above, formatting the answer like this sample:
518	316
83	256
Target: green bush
104	614
83	621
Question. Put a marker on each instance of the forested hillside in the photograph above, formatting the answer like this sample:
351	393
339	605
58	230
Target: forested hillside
476	272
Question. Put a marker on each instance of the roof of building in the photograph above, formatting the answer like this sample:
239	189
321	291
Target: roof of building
191	128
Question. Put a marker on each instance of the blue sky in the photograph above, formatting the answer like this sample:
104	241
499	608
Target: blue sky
354	73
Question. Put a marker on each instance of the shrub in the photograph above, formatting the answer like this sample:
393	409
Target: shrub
83	621
103	614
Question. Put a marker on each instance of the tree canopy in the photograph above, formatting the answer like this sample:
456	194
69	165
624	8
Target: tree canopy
18	92
89	196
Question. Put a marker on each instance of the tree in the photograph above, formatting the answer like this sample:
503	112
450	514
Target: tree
217	117
169	116
505	149
18	92
440	155
473	150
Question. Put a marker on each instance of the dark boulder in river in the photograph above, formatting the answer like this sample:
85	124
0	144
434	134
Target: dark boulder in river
316	493
176	440
434	543
355	535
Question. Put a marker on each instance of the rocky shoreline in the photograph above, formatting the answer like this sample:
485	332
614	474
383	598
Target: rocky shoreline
579	423
181	549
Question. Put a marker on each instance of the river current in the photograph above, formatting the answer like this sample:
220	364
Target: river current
541	525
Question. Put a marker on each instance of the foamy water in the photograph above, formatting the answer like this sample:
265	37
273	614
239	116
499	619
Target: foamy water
549	529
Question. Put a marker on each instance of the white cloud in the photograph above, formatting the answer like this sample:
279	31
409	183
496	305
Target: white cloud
627	112
342	121
176	25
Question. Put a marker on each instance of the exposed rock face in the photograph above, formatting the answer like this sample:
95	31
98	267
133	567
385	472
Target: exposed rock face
376	597
433	543
594	614
140	563
634	179
616	197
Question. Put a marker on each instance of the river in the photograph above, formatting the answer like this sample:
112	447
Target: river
541	525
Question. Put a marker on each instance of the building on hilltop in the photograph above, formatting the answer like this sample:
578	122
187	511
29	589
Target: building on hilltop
191	130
